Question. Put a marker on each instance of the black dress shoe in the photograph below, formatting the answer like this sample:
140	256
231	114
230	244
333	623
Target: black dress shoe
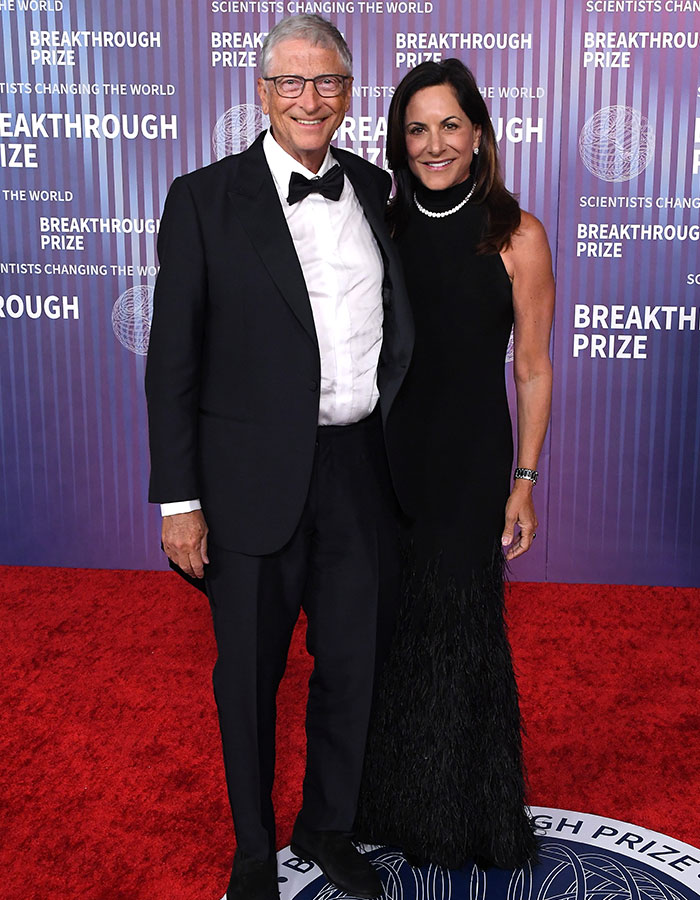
253	879
343	865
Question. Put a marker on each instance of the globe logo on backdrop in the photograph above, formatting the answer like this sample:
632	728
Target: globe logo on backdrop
236	130
616	143
131	318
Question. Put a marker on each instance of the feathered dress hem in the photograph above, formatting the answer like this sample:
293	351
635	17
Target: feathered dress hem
443	777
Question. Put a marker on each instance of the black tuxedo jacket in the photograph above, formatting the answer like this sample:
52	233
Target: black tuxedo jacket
233	372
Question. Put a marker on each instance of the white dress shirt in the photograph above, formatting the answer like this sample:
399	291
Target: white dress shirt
343	271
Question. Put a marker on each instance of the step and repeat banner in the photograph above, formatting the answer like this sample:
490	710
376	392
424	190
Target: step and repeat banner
596	104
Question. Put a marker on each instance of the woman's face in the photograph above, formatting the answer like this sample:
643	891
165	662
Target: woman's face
440	137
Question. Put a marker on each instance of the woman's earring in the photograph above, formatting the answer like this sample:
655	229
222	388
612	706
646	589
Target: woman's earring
476	151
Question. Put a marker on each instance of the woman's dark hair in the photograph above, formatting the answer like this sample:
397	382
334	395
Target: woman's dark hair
503	217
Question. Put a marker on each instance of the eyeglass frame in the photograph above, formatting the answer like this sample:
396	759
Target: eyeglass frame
273	79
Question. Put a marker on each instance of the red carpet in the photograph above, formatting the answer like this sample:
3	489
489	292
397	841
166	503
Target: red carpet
112	783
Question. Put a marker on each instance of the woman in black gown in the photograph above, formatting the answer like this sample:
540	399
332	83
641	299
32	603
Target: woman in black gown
443	775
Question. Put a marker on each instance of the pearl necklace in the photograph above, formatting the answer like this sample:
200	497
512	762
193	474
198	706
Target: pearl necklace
447	212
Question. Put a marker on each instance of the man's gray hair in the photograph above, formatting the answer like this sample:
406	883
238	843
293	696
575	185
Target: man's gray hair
317	31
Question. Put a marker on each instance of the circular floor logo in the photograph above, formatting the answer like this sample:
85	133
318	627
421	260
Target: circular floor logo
582	857
616	143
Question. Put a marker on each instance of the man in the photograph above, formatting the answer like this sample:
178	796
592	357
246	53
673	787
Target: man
280	336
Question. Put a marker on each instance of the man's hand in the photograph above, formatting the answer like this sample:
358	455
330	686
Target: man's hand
185	541
520	511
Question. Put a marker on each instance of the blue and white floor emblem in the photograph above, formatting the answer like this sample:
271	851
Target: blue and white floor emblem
582	857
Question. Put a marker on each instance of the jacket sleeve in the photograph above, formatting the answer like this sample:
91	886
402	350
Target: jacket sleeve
173	368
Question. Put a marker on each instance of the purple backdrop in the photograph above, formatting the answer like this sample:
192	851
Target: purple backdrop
102	104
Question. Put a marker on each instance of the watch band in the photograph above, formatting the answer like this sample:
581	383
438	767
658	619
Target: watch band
527	474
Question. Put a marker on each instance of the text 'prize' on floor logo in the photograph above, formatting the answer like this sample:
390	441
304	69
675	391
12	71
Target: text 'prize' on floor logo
131	318
582	857
616	143
237	128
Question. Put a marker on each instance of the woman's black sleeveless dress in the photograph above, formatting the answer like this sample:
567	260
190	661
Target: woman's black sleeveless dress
443	774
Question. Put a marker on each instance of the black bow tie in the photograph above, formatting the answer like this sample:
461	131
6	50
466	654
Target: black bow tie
330	185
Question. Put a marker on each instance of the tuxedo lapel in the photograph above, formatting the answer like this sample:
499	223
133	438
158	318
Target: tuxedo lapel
373	214
397	344
255	201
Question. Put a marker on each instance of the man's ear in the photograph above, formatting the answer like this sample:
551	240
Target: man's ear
262	93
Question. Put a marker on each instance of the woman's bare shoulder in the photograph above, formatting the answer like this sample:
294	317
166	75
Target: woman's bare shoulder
530	232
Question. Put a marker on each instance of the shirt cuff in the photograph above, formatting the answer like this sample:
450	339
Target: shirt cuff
180	506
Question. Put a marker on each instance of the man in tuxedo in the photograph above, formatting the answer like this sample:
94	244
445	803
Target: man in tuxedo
280	336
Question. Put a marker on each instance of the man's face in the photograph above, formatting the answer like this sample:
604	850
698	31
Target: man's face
304	125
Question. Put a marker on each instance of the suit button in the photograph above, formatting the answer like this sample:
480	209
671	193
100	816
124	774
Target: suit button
313	385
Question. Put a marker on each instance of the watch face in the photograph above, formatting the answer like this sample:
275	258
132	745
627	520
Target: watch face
581	856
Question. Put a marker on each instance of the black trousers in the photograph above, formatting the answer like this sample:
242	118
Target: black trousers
342	567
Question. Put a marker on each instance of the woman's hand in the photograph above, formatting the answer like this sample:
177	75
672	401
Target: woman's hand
520	512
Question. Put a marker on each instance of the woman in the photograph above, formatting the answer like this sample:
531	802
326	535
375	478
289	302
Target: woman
443	774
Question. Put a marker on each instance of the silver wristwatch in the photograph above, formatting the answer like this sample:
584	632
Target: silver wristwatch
527	474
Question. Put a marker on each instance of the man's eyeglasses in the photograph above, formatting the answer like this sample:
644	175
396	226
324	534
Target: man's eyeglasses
293	85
